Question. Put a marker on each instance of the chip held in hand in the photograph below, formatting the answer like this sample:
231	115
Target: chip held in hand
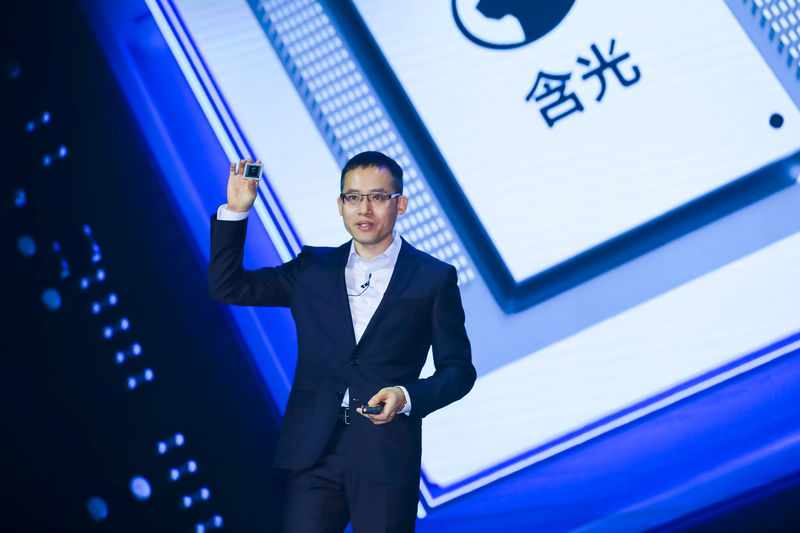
252	171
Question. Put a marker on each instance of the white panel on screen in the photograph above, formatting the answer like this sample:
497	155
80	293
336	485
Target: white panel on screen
697	118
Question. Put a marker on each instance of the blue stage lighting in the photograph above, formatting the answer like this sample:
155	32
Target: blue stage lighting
45	117
87	230
145	375
140	488
190	467
97	508
64	265
30	126
188	500
26	246
164	446
123	325
214	523
51	299
96	256
19	197
46	160
99	275
110	301
122	355
62	151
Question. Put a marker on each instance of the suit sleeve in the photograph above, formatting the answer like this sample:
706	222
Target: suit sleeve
230	283
452	354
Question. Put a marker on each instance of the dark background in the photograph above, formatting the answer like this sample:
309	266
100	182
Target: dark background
70	427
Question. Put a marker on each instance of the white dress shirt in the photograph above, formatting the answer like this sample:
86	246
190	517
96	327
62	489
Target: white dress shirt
357	272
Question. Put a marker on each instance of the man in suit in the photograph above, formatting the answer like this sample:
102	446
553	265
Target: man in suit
366	315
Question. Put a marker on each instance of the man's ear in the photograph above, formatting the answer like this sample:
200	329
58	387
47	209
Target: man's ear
402	204
340	204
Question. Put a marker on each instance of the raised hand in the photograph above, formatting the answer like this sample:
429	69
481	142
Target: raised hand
241	192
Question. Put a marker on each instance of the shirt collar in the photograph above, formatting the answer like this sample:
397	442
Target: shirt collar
389	254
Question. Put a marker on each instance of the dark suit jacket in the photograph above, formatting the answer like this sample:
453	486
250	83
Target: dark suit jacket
421	308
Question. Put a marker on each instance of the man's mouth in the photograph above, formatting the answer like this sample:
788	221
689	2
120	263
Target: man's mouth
365	226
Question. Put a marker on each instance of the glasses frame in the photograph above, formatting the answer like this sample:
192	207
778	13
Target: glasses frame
348	203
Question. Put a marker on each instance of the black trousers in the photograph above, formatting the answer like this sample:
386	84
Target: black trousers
335	491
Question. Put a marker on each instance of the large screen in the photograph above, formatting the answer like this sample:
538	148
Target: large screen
567	124
559	131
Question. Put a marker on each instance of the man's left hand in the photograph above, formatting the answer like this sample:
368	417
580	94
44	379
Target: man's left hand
394	400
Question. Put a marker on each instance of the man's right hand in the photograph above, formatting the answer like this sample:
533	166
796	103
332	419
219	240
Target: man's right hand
241	192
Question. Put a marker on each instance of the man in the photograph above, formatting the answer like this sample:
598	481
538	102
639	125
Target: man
366	314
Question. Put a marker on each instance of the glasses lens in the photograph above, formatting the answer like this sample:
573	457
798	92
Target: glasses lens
351	198
355	199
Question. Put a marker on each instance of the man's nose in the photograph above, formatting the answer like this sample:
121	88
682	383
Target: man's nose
365	207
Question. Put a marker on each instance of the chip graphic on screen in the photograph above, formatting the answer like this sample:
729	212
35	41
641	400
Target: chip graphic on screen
611	130
566	355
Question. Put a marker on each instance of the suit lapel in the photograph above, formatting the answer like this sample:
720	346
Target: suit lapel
402	274
340	289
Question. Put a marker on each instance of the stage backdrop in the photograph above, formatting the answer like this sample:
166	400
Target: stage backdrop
614	181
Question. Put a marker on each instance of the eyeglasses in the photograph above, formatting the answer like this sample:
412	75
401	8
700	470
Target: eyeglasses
354	199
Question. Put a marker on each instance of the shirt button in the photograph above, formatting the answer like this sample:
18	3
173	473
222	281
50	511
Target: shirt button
354	362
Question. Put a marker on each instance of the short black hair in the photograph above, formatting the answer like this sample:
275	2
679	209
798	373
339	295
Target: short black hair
375	159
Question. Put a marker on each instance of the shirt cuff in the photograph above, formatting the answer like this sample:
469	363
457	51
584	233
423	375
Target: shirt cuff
223	213
407	407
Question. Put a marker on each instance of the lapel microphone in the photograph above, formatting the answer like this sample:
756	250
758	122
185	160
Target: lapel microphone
365	285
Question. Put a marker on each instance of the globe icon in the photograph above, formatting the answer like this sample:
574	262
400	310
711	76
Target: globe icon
507	24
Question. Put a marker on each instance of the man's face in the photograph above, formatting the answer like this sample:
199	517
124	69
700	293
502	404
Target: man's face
368	222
